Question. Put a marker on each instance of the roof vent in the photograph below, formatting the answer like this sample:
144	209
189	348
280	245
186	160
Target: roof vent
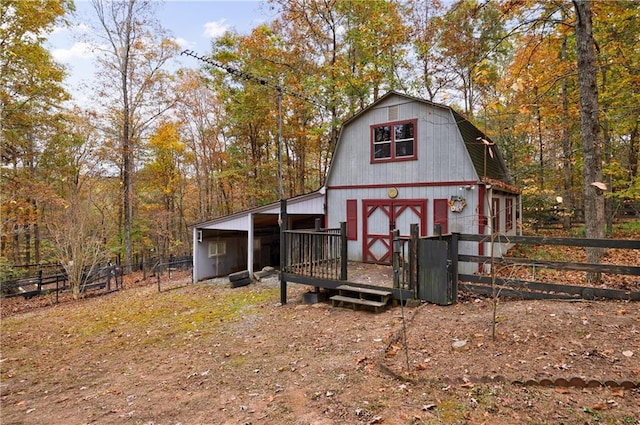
393	113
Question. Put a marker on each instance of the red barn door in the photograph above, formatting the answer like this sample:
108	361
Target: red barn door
380	217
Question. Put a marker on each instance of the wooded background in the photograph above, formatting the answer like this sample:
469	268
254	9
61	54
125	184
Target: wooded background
159	149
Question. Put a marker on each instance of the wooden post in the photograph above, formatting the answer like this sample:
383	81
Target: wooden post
316	250
395	244
283	250
453	261
144	269
413	257
343	250
40	281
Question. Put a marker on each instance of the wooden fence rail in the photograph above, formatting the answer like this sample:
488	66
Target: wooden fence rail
58	282
531	289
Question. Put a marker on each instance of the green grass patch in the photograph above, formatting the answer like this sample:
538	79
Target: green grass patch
130	320
626	229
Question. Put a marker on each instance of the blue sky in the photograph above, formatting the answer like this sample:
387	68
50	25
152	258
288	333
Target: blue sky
193	23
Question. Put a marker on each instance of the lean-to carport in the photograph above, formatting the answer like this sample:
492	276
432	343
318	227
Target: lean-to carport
249	239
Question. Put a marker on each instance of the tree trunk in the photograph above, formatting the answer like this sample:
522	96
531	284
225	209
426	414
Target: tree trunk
589	130
36	243
540	144
634	149
127	149
566	149
27	243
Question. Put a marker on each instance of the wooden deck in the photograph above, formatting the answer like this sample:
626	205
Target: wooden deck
370	274
364	275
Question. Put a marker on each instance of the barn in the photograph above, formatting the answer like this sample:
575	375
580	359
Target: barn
402	160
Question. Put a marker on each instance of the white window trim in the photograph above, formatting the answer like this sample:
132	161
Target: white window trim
217	248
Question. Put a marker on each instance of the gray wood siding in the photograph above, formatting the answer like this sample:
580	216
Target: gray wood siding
441	153
465	221
441	157
235	258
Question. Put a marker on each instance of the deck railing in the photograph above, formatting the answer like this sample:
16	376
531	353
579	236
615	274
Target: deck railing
315	253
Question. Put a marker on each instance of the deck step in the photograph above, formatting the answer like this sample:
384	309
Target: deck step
363	290
336	299
358	295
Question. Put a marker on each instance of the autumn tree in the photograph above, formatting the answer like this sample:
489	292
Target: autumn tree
430	74
162	181
201	127
473	41
617	33
80	218
133	61
532	117
376	48
315	28
31	94
265	89
250	127
589	128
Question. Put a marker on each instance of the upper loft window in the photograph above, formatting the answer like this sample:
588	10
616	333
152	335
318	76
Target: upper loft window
393	141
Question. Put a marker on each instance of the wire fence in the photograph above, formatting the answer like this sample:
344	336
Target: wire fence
53	279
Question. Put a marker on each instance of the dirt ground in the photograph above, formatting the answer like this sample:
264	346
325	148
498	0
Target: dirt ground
209	354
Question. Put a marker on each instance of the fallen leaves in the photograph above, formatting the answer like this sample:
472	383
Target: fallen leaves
596	407
333	384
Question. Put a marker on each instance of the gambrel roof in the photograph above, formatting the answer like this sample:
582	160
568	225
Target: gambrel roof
483	152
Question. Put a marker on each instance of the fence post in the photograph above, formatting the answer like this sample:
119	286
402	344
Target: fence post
40	281
316	256
120	271
283	250
453	261
119	274
413	257
144	269
343	250
395	237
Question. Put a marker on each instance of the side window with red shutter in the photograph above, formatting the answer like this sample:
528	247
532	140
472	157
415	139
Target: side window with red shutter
352	219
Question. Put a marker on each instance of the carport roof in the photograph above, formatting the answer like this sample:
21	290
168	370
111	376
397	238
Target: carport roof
310	203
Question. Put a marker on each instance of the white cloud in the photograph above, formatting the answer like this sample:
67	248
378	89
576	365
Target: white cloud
183	43
58	29
216	29
82	28
79	28
78	50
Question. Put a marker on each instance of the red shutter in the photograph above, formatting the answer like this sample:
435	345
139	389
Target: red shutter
441	215
495	211
352	219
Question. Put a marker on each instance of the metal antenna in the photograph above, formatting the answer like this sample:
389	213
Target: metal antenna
263	82
250	77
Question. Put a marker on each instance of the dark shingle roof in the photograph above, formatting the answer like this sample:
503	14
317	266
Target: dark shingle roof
484	153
